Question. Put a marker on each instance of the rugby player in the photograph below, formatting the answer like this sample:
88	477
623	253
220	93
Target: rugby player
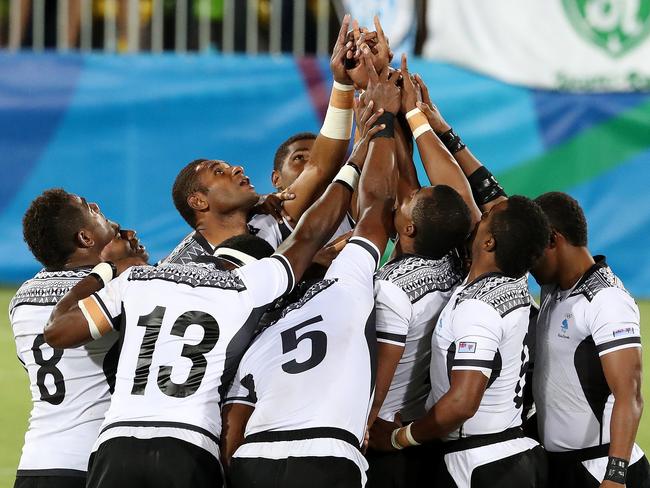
70	389
295	420
587	379
413	288
216	199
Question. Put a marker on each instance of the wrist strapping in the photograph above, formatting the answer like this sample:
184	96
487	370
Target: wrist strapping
616	470
452	141
348	176
339	116
418	122
409	436
485	186
388	119
104	272
393	440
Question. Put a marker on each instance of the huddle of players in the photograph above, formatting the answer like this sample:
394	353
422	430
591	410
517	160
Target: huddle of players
255	354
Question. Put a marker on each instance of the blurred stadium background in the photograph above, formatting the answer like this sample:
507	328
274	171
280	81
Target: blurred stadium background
109	98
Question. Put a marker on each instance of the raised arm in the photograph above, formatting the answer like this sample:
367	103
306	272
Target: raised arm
328	152
439	164
485	189
318	224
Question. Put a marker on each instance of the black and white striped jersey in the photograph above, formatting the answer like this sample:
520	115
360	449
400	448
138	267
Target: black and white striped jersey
184	330
410	293
484	327
69	388
575	328
194	246
310	376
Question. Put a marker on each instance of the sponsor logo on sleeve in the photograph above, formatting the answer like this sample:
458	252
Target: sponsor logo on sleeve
467	347
627	331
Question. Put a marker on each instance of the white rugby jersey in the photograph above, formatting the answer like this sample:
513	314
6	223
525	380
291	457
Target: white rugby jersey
195	246
484	327
69	388
310	376
184	329
574	328
410	293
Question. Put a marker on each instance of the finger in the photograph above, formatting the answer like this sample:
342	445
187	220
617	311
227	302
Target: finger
373	118
367	112
380	31
404	67
370	66
287	196
375	129
286	216
345	25
355	30
426	110
424	88
385	74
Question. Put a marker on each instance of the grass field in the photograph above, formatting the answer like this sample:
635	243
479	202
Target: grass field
15	404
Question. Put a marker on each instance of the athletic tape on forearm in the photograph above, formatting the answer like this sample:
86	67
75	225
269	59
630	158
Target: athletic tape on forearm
339	116
409	436
393	440
348	175
104	271
418	122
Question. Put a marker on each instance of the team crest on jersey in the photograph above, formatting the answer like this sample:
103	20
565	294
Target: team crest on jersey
564	327
467	347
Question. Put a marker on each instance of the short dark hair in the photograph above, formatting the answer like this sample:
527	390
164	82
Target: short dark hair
50	225
521	232
186	183
565	215
283	149
442	222
248	244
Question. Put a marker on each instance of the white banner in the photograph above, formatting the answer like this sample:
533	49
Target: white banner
579	45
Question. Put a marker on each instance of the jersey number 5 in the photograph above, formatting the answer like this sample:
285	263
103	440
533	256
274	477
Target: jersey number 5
195	353
291	339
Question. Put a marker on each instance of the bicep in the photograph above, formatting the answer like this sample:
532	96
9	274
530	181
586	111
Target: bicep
68	329
622	369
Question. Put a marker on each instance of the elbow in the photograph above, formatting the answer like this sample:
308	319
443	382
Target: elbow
53	337
465	408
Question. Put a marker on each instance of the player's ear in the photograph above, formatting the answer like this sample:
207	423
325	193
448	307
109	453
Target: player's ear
555	237
197	201
84	239
276	180
490	244
409	229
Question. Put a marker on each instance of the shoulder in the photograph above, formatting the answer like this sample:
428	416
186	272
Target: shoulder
418	276
501	293
194	275
308	295
47	287
598	279
189	249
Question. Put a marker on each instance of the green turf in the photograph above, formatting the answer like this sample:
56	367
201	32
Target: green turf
15	404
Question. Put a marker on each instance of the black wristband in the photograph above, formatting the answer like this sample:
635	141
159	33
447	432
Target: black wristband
452	141
98	278
485	187
616	470
387	119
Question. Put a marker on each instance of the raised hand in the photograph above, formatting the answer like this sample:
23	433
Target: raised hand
272	204
436	121
342	47
409	88
382	86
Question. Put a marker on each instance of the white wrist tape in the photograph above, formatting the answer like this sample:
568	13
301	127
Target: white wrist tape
409	436
349	176
105	272
418	122
339	116
393	440
92	327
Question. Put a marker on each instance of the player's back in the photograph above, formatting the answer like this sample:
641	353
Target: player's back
411	291
310	376
184	329
69	388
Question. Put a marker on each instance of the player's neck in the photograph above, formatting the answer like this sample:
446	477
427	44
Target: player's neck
218	228
82	258
574	263
404	245
483	265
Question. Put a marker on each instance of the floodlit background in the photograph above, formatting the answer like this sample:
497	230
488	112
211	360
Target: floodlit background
109	98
